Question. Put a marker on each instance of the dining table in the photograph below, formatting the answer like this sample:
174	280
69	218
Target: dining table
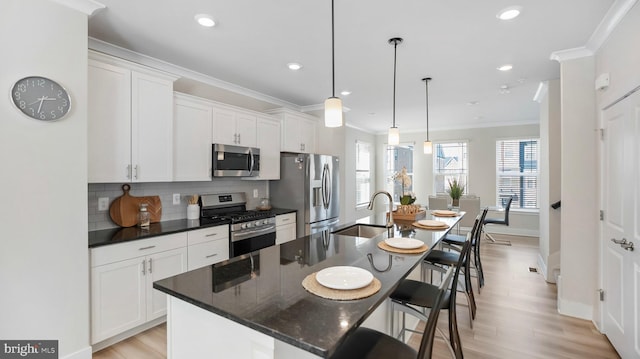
257	305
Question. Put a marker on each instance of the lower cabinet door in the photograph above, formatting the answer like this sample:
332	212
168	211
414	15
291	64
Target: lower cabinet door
118	295
159	266
285	233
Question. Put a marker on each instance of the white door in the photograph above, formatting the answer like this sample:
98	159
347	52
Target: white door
159	266
621	204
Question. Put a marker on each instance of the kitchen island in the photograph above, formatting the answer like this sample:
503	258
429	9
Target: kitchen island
254	306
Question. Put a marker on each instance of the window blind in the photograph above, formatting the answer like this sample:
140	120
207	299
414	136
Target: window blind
517	172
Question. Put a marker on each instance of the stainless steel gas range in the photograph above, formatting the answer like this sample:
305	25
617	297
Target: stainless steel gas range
249	231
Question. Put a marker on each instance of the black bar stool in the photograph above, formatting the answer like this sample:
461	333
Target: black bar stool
503	221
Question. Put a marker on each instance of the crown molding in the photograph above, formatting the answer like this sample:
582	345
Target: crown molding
611	19
85	6
541	92
126	54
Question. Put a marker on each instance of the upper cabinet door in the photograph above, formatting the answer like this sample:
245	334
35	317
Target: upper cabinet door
151	128
268	141
109	123
308	135
246	129
192	124
224	126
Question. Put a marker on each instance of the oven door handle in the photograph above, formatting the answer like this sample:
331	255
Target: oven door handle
248	234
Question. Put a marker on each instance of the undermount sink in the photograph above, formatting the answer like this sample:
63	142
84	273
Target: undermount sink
361	230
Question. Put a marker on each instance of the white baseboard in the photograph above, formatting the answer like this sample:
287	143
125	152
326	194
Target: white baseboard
80	354
542	266
573	309
129	333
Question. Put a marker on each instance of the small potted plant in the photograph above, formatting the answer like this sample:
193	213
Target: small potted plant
405	181
456	189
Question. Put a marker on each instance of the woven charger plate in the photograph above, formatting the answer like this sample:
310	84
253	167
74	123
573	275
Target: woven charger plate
442	213
310	283
388	248
430	224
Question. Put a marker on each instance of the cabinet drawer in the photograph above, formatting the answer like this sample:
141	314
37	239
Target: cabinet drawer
208	234
207	253
119	252
286	219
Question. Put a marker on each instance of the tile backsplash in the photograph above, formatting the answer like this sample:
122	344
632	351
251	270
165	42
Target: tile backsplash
101	220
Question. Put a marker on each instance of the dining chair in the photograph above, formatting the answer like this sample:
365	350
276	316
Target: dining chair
439	260
503	221
438	203
413	297
471	207
455	242
367	343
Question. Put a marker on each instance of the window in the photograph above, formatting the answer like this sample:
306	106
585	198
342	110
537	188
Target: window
397	157
363	173
450	161
517	172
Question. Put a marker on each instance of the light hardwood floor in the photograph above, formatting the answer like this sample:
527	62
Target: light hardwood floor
517	317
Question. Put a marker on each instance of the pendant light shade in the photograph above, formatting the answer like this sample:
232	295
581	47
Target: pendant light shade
428	146
333	112
394	133
333	105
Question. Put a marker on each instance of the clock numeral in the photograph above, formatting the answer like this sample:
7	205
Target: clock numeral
41	83
33	112
22	88
17	95
65	103
61	109
23	104
42	116
53	115
59	92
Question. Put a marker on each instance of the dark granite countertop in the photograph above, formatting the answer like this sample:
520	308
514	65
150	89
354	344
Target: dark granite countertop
117	235
273	301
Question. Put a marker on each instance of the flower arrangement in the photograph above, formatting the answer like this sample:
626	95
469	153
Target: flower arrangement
405	181
456	189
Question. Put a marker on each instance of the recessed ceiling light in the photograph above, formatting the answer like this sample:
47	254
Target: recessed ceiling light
509	13
472	103
478	118
345	93
505	67
294	66
205	20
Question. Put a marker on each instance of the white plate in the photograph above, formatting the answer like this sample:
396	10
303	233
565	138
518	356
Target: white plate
344	277
404	243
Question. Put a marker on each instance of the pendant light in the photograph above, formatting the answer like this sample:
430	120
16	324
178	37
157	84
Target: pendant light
333	105
394	133
428	146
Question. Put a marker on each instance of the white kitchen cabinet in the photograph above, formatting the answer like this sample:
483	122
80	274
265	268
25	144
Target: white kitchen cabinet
122	276
298	131
130	122
268	141
207	246
192	126
233	127
285	228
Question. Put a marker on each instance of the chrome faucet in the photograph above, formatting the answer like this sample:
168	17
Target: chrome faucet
390	214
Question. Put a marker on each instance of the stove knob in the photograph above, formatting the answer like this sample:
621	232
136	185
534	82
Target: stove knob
266	221
257	223
243	226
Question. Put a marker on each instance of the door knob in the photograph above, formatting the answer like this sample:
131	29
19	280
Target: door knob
627	246
619	241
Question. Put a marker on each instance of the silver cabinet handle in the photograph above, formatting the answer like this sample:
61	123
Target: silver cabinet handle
144	266
211	234
128	171
211	255
145	248
285	219
239	139
627	246
619	241
136	172
150	265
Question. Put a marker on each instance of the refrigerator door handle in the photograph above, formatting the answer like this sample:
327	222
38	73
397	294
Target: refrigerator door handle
327	224
326	186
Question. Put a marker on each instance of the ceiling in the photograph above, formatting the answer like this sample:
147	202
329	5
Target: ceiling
459	43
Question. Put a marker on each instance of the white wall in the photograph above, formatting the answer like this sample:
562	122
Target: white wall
482	168
44	271
549	181
579	188
352	135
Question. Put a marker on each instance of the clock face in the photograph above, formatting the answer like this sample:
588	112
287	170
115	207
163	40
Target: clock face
41	98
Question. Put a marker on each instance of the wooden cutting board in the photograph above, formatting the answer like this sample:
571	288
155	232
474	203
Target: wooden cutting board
124	209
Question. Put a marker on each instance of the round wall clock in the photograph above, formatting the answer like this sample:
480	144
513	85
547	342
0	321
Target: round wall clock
41	98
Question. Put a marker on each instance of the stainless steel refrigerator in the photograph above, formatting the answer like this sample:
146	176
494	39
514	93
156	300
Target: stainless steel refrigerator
310	184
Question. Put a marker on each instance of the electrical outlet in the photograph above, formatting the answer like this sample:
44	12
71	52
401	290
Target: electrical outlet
176	198
255	193
103	203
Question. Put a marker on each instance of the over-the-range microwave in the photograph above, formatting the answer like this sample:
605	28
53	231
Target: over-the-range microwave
235	161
